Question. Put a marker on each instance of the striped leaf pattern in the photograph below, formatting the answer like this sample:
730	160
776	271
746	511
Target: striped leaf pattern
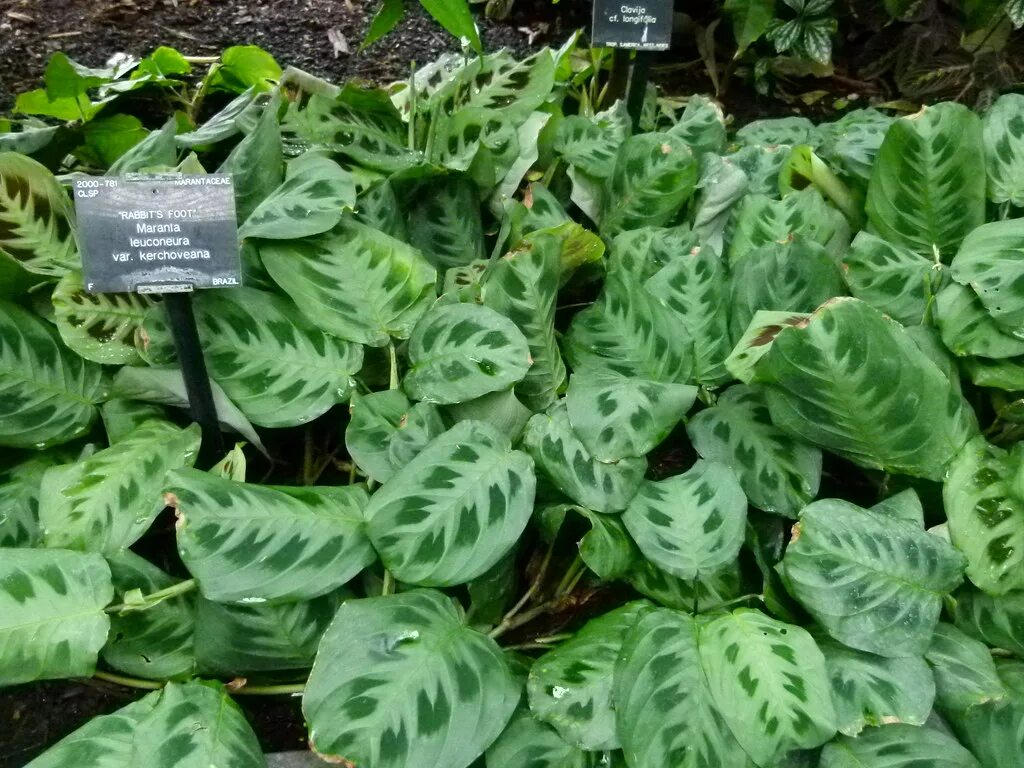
570	687
967	329
709	589
105	502
691	523
374	423
443	221
778	473
401	681
592	145
455	510
768	680
875	581
528	743
19	500
926	190
985	508
663	705
892	279
254	544
47	394
36	218
617	416
894	746
803	215
562	458
642	253
852	142
52	623
354	282
459	352
965	674
1003	131
186	725
999	621
989	263
701	126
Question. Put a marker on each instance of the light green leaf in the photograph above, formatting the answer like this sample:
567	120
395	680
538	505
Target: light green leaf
20	485
892	279
374	423
993	731
965	674
455	510
502	410
605	487
985	506
253	544
999	621
157	151
803	215
757	340
401	681
851	143
52	623
223	125
853	381
378	208
528	743
121	417
443	219
873	580
896	746
663	707
1003	132
967	329
691	523
769	682
47	395
460	352
354	282
926	191
617	416
417	427
189	725
870	690
592	144
256	164
750	20
701	125
989	263
36	218
777	473
606	549
706	591
722	185
315	193
244	66
384	20
455	17
106	502
570	687
108	138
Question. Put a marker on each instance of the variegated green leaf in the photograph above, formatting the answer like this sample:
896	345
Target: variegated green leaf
852	141
20	485
606	549
870	690
663	706
873	579
570	687
401	681
187	725
156	643
378	207
459	352
926	190
52	623
270	360
691	523
420	424
967	329
443	219
701	125
853	381
778	473
253	544
256	164
769	682
502	410
999	621
47	394
455	509
708	590
523	286
526	742
354	282
315	193
639	254
761	164
36	218
985	507
106	502
602	486
593	144
757	340
993	731
802	215
374	425
722	185
653	176
897	746
617	416
791	130
965	674
233	640
1003	132
892	279
102	327
989	263
121	416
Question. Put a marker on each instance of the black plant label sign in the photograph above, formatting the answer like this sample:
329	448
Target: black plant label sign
157	234
644	25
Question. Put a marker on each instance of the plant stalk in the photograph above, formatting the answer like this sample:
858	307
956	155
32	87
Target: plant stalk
154	598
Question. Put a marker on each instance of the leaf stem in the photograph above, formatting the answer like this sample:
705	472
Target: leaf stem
289	689
393	361
154	598
528	595
129	682
388	587
734	601
571	577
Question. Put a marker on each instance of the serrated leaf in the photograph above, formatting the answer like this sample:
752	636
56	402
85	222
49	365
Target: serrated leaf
454	510
965	674
778	473
870	690
826	385
873	581
354	282
47	395
892	746
36	218
988	263
653	176
664	710
460	352
691	523
406	664
1003	133
528	743
106	502
926	192
570	687
999	621
892	279
52	623
803	215
250	543
605	487
768	680
985	508
188	725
